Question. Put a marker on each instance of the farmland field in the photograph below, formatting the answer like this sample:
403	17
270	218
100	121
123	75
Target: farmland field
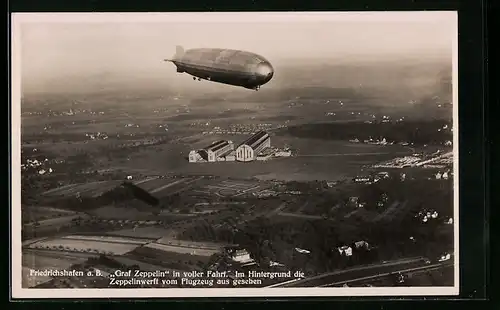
192	244
231	188
176	187
58	220
181	250
85	245
131	210
152	233
93	189
31	213
156	183
105	239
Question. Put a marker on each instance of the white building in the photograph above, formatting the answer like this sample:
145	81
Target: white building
218	149
362	179
362	245
345	250
250	148
242	257
194	156
265	154
384	174
231	156
263	157
283	154
278	264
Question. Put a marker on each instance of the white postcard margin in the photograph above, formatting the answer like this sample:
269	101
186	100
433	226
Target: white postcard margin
16	244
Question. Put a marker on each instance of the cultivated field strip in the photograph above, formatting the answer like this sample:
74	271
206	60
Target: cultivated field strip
153	184
158	189
55	191
145	180
105	188
124	212
109	239
81	188
51	209
56	221
301	215
93	189
233	188
189	244
31	214
64	244
97	189
178	187
152	233
181	250
31	241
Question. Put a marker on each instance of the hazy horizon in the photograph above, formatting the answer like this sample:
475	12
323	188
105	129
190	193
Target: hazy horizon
53	53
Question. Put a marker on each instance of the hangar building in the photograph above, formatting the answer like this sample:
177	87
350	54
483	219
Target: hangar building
250	148
218	149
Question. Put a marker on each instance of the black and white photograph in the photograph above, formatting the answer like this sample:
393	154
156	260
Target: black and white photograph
234	154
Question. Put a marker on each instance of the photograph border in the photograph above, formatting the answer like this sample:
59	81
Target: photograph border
18	292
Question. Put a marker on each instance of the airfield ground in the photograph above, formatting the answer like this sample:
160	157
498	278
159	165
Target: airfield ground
343	159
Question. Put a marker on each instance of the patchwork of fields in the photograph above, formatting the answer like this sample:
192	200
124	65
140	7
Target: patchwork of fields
308	208
90	190
31	214
232	188
86	244
162	187
180	249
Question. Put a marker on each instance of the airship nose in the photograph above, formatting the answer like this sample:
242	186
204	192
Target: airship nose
264	71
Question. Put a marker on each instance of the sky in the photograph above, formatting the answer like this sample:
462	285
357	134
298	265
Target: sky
69	47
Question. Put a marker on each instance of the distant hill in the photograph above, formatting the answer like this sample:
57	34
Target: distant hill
418	132
308	92
403	80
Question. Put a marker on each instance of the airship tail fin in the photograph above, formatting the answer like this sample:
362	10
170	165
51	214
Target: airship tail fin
179	51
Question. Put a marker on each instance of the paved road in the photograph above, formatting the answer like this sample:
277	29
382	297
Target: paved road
347	275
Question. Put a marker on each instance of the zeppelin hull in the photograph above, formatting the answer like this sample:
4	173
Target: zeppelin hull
231	67
231	77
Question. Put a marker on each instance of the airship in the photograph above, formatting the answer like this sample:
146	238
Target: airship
227	66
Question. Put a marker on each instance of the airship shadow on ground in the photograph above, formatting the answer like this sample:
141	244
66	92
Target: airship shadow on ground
232	67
